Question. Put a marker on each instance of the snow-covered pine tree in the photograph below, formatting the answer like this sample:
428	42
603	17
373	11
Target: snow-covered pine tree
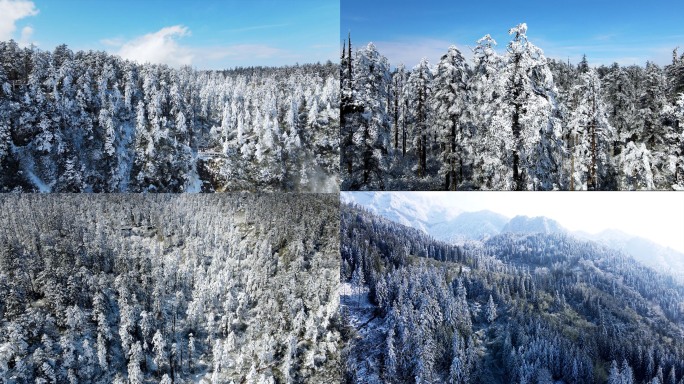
449	102
398	110
159	350
678	142
675	73
591	136
653	130
390	356
627	373
5	133
419	89
619	91
528	120
485	90
490	310
371	137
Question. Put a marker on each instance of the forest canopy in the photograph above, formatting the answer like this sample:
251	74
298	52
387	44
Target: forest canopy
133	288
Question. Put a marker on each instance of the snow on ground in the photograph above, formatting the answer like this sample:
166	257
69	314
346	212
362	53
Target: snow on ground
355	296
194	185
370	329
124	167
354	301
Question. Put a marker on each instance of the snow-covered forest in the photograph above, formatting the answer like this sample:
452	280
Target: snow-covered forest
509	121
90	121
515	308
132	288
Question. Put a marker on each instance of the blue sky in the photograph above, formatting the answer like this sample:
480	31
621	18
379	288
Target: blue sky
627	32
206	34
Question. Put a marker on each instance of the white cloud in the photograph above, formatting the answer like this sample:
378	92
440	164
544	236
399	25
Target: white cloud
10	12
163	47
113	42
160	47
609	49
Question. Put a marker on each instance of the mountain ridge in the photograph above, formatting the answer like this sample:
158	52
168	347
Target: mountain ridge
480	225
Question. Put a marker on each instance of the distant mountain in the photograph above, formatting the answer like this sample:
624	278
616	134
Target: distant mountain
455	227
441	223
407	209
539	224
645	251
468	226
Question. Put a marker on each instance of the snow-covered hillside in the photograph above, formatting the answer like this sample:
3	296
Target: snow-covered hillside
539	307
468	226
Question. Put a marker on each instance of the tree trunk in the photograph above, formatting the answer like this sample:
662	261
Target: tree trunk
403	126
517	176
592	129
423	155
592	172
421	136
572	162
396	115
452	153
367	155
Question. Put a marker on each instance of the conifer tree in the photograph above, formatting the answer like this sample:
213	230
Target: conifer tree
419	87
591	137
449	104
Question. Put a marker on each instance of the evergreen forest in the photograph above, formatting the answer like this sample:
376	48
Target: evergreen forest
93	122
169	288
515	120
517	307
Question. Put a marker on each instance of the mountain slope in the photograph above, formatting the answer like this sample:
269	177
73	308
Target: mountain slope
518	307
642	250
92	122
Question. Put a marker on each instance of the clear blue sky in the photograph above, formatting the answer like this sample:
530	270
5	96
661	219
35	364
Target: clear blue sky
206	34
629	31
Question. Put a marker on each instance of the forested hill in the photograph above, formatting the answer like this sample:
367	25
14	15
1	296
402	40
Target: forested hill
528	308
509	121
142	288
90	121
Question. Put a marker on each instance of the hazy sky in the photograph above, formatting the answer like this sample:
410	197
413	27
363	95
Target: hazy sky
658	216
208	34
607	31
